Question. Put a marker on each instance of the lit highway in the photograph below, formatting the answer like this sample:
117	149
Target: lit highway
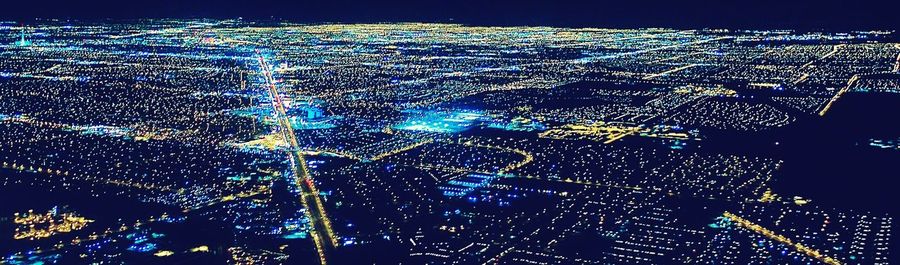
322	234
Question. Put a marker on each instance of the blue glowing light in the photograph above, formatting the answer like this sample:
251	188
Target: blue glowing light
439	121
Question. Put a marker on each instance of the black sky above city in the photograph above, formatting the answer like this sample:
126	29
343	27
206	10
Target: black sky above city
795	14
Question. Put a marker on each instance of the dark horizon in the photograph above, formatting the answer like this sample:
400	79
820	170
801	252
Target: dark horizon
765	14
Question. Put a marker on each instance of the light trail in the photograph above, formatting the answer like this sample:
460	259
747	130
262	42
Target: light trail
833	51
676	57
805	76
781	239
308	191
617	137
613	56
400	150
839	94
801	79
673	70
528	157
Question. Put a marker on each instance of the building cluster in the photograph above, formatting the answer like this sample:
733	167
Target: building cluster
249	142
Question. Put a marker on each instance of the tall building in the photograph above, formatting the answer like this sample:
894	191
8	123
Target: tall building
22	41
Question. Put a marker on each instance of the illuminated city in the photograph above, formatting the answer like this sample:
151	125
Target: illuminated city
241	141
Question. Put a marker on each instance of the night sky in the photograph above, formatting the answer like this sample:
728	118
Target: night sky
795	14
